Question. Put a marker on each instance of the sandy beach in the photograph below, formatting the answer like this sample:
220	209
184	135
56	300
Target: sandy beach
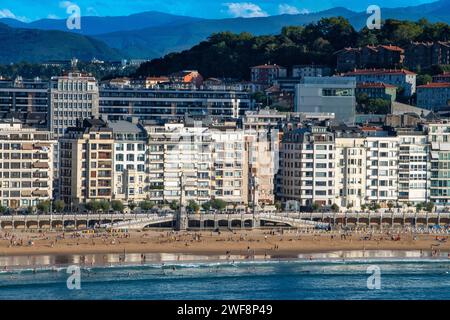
244	243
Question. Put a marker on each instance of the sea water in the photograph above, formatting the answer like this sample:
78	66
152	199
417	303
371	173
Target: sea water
297	278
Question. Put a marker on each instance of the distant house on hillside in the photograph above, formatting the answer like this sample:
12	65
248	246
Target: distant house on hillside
422	55
187	76
267	73
381	56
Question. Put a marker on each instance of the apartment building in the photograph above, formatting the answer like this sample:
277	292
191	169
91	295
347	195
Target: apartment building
26	165
382	167
377	90
307	166
370	57
74	96
171	104
130	152
423	55
265	74
434	96
413	166
87	159
301	71
439	139
351	167
25	100
327	95
400	78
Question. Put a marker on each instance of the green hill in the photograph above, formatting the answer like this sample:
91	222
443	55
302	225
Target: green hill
33	45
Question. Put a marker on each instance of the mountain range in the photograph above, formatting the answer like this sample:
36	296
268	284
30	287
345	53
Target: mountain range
153	34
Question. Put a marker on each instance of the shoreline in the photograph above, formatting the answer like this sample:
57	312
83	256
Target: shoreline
240	245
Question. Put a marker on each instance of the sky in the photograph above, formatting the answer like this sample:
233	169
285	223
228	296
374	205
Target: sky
30	10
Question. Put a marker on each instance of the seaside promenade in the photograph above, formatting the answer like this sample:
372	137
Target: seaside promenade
298	220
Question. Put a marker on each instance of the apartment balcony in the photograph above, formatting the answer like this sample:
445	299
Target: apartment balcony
40	165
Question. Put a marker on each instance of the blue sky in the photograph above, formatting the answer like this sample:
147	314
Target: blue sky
29	10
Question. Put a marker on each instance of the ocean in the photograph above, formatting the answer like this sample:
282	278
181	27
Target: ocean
306	277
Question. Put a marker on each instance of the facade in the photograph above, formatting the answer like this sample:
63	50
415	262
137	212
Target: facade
302	71
434	96
397	77
86	163
351	168
382	168
73	97
377	90
423	55
307	167
387	56
130	163
207	163
413	166
159	104
327	95
26	166
265	74
444	77
25	100
439	137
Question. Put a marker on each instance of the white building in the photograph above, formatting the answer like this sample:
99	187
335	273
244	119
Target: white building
397	77
130	152
327	95
382	169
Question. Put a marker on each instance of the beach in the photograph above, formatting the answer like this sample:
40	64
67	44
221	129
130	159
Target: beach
245	243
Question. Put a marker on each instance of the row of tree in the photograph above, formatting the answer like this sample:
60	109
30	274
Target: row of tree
231	55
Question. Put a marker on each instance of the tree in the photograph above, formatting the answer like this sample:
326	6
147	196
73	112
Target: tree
104	205
30	210
429	206
206	206
278	205
174	205
44	206
117	206
59	205
146	205
132	205
315	207
419	207
193	206
3	209
93	206
219	204
390	205
423	79
335	207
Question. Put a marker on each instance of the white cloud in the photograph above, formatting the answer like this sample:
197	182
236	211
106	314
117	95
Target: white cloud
245	10
6	13
90	11
52	16
65	4
285	8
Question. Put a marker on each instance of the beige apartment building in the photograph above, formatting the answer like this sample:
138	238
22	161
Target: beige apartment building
350	179
204	162
87	157
26	165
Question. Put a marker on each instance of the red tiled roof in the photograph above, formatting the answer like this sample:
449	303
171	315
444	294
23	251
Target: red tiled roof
379	71
392	48
435	85
374	85
268	66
